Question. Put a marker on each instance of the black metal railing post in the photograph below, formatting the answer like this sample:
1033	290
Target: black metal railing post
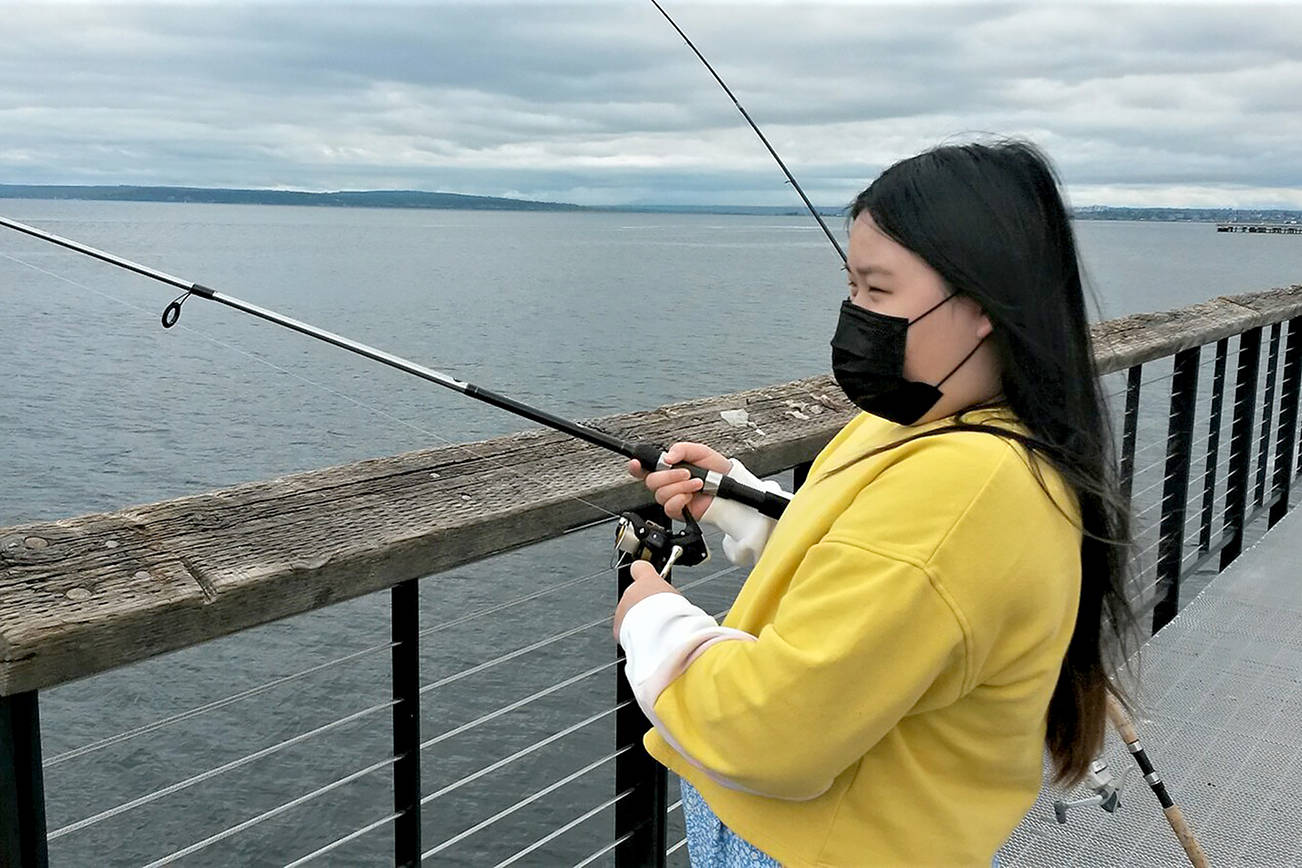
1130	430
641	815
1286	442
1175	489
1213	446
1236	481
405	614
799	474
22	784
1267	414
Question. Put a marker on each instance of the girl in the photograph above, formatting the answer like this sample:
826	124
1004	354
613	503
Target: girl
942	599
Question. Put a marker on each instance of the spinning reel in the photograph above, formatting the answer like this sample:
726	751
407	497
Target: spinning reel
643	539
1107	793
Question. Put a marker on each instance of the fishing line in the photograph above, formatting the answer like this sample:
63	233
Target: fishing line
791	179
413	426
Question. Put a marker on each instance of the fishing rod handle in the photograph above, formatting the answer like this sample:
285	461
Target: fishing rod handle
1121	721
767	503
1192	849
1174	816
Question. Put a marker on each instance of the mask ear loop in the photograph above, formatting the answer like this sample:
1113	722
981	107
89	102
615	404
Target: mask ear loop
964	362
933	307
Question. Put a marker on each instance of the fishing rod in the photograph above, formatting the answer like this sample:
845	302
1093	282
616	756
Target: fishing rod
649	455
791	179
1174	816
1106	794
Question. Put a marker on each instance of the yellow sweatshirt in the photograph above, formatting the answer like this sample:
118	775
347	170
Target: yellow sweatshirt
901	633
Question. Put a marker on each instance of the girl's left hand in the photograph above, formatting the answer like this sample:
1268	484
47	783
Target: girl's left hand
646	582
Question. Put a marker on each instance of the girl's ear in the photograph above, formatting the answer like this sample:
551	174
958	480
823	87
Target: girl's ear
984	328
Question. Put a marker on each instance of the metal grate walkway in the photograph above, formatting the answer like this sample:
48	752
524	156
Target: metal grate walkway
1223	685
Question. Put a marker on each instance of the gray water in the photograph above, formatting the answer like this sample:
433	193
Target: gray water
584	314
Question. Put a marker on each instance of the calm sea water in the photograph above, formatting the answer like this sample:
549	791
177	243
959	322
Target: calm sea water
585	314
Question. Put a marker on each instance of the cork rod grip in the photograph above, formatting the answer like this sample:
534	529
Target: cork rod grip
1197	857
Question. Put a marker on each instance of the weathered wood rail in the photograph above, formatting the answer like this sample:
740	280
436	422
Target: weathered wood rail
85	594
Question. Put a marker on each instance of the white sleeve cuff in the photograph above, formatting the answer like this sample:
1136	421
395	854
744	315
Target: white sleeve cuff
745	530
661	636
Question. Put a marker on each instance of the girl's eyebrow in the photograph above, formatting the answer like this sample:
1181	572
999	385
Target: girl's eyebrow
869	269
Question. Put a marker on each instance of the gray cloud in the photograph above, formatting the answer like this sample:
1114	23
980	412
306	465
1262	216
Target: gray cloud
600	102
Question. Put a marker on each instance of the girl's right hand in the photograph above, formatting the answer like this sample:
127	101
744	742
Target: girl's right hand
676	489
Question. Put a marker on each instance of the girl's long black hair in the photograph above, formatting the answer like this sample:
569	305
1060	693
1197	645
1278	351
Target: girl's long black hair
989	218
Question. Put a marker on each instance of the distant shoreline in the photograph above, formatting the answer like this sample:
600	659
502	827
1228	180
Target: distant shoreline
419	199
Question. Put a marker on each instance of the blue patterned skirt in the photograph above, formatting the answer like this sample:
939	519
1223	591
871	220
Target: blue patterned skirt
710	844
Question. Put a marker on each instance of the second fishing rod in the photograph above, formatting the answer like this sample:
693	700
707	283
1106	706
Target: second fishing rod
649	455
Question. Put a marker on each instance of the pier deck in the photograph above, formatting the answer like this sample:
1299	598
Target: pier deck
1262	228
1222	722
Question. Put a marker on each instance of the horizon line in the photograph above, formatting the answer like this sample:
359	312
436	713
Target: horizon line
574	205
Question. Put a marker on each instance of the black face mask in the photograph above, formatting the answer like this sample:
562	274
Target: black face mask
868	363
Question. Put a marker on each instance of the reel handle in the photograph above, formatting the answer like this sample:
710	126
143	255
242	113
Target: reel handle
651	457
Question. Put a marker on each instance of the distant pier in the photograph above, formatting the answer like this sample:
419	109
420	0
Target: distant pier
1267	228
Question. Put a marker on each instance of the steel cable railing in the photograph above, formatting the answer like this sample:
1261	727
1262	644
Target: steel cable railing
1194	507
604	850
210	706
550	640
219	770
1193	448
519	703
1161	443
593	857
499	607
556	833
512	707
1193	557
339	842
1158	379
682	842
1185	539
523	752
274	812
527	800
1192	493
248	693
303	673
1161	378
1158	442
531	698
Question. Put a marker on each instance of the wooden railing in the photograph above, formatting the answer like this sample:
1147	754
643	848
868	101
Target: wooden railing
87	594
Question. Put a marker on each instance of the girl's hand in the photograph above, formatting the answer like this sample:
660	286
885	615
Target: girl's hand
646	581
676	489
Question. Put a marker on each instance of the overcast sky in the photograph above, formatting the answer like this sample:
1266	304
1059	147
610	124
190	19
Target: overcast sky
601	103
